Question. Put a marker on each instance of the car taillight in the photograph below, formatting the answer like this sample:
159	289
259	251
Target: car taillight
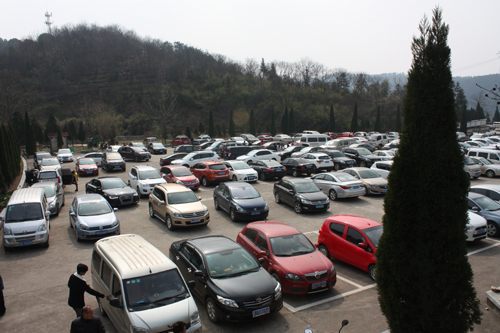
345	187
59	179
269	169
229	154
363	185
302	167
319	161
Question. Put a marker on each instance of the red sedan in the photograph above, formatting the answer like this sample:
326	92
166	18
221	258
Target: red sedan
351	239
265	138
86	166
181	175
289	257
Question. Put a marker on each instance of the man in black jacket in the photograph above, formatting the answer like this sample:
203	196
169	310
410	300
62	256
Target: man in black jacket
87	323
77	288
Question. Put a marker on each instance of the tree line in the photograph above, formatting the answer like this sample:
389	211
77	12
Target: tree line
10	156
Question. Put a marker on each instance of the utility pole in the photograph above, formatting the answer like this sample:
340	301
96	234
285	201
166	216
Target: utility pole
48	22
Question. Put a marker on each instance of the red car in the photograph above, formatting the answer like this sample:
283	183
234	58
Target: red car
181	175
289	257
210	172
351	239
86	166
331	134
345	135
265	138
180	140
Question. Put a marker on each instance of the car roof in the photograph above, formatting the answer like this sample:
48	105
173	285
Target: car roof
488	187
214	244
86	158
173	187
107	177
234	184
211	162
298	180
474	195
274	228
356	221
44	184
145	167
175	166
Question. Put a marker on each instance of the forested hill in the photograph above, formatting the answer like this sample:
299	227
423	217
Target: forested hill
108	76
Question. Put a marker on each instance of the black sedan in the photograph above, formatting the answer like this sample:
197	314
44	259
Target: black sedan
301	194
269	169
362	156
298	166
228	280
167	160
340	161
241	201
290	150
114	190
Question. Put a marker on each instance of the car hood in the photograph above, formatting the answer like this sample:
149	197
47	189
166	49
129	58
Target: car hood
98	220
187	208
252	172
119	191
351	183
314	196
476	220
20	227
152	181
242	287
376	181
305	264
190	178
251	203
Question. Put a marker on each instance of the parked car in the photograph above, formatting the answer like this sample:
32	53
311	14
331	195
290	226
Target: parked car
340	161
269	169
180	140
472	169
392	144
297	166
144	178
112	149
259	154
186	148
273	145
114	190
195	157
289	256
50	163
339	185
205	145
362	156
331	135
364	145
475	229
179	174
487	208
241	201
50	176
306	150
86	166
134	153
378	140
382	168
65	155
97	157
37	158
113	161
55	196
201	139
149	140
265	138
157	148
137	144
283	138
229	281
167	160
373	182
302	194
290	150
490	190
389	154
92	217
321	161
233	152
249	138
351	239
210	172
240	171
488	168
177	206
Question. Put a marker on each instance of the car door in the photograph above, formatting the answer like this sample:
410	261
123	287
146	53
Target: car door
60	195
72	213
198	170
353	254
160	202
262	245
320	181
91	186
288	194
133	178
335	240
189	260
225	197
166	173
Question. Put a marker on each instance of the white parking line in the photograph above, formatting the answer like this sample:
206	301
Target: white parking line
349	281
312	232
485	248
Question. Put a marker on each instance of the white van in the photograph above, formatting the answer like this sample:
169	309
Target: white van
149	292
340	143
378	140
314	140
27	219
491	154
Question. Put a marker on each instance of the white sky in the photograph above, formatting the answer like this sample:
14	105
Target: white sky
371	36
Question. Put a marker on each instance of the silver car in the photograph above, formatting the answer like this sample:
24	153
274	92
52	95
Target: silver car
55	196
339	185
92	217
488	168
373	182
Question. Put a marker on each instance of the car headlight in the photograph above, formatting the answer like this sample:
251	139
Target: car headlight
112	197
52	204
83	226
136	194
42	227
115	223
293	277
195	318
196	181
205	212
7	230
332	270
179	182
227	302
135	329
371	185
266	207
239	209
277	291
177	214
307	202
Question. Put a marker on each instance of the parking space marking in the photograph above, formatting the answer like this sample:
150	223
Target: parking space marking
349	281
485	248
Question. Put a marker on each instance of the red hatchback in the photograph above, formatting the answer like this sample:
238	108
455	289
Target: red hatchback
86	166
181	175
180	140
211	172
289	257
351	239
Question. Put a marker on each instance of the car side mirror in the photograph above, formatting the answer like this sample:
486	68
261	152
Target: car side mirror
264	254
163	203
199	198
362	245
199	273
72	214
115	302
134	177
115	209
261	260
475	209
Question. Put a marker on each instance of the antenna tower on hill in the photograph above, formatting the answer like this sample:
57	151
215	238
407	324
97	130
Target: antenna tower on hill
48	22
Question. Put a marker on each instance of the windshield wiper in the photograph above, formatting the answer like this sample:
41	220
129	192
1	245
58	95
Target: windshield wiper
300	252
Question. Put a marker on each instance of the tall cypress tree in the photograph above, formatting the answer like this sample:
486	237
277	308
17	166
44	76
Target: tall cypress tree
18	124
423	240
378	121
399	124
201	128
187	132
354	120
331	125
479	114
15	151
211	126
223	130
284	121
5	156
252	123
73	133
291	122
273	123
29	135
60	141
81	133
232	129
37	130
496	116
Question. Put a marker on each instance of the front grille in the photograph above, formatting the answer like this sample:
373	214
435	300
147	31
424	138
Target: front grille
312	276
382	186
320	202
191	215
24	233
99	228
25	239
258	302
126	199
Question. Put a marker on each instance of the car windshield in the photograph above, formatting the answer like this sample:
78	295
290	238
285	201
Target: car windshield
374	234
42	156
344	177
247	192
485	161
47	175
138	149
217	167
23	212
230	263
487	204
181	172
189	156
338	154
149	174
50	161
158	145
240	166
94	208
154	290
64	151
114	156
390	153
306	187
86	161
181	197
289	149
112	183
291	245
363	151
251	138
468	161
367	174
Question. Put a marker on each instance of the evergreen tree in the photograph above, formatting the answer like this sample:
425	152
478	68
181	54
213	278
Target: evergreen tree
423	242
378	121
291	122
258	131
252	123
211	126
37	130
5	166
331	126
263	68
187	132
223	130
399	124
284	121
18	123
15	152
479	111
201	128
488	119
460	99
73	134
29	135
218	132
354	120
232	129
496	116
60	141
273	123
367	124
81	133
51	125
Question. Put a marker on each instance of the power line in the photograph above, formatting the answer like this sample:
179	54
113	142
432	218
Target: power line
479	64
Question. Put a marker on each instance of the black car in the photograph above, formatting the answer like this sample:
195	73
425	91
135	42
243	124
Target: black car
113	161
340	161
235	151
186	149
241	201
134	153
269	169
297	166
363	145
290	150
301	194
362	156
37	158
228	280
168	159
157	148
113	189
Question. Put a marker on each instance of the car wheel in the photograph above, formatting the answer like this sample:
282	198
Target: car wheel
216	204
273	159
295	173
232	215
277	198
249	162
46	244
76	234
298	207
204	181
490	174
101	309
57	211
6	249
362	164
211	310
336	166
372	270
492	228
263	176
151	211
332	195
235	179
124	168
323	249
170	224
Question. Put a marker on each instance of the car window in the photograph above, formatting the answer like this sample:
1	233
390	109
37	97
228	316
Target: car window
337	229
106	274
320	177
494	195
354	236
251	234
96	262
117	288
494	156
262	243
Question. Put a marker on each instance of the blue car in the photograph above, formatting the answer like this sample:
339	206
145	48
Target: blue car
487	208
241	201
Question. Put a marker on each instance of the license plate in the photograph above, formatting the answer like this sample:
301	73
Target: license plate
255	213
195	220
89	171
101	232
260	312
250	178
318	285
117	166
326	161
277	170
221	173
190	186
384	191
25	243
480	232
319	206
355	187
308	166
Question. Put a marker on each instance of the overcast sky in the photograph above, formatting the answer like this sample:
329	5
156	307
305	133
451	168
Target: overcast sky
370	36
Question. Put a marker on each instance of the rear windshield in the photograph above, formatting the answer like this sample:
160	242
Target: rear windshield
50	161
114	156
47	175
24	212
217	167
86	161
181	172
43	155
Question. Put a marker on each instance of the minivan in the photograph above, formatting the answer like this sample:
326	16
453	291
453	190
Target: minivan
27	219
314	140
148	291
340	143
491	154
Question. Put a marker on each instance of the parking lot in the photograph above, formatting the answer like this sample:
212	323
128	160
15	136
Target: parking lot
36	278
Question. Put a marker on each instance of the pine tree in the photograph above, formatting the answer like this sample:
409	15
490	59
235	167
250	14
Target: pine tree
423	239
232	129
496	116
378	121
15	151
18	124
273	123
81	133
201	128
291	122
211	126
51	125
460	99
252	123
73	134
399	124
37	130
354	120
331	126
284	121
187	132
5	166
223	131
60	141
29	135
479	111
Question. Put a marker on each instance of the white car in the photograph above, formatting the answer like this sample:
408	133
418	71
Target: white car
65	155
360	139
240	171
387	154
112	149
382	168
476	228
195	157
282	137
259	154
97	157
143	178
489	169
50	163
321	160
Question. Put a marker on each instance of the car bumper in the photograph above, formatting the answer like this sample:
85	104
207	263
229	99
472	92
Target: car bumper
247	178
122	200
219	179
476	234
39	237
351	193
243	314
375	190
275	174
97	234
249	215
111	167
308	287
88	173
315	208
160	151
190	221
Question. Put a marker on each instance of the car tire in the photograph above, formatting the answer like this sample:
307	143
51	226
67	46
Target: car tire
332	195
263	176
295	173
362	164
6	249
492	228
490	174
336	167
323	249
46	244
151	211
372	269
204	181
101	309
297	207
139	192
211	309
249	162
76	234
235	179
124	168
232	215
277	198
170	223
57	212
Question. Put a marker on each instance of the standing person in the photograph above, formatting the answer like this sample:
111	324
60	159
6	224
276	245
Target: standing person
75	179
87	323
77	288
179	327
2	302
